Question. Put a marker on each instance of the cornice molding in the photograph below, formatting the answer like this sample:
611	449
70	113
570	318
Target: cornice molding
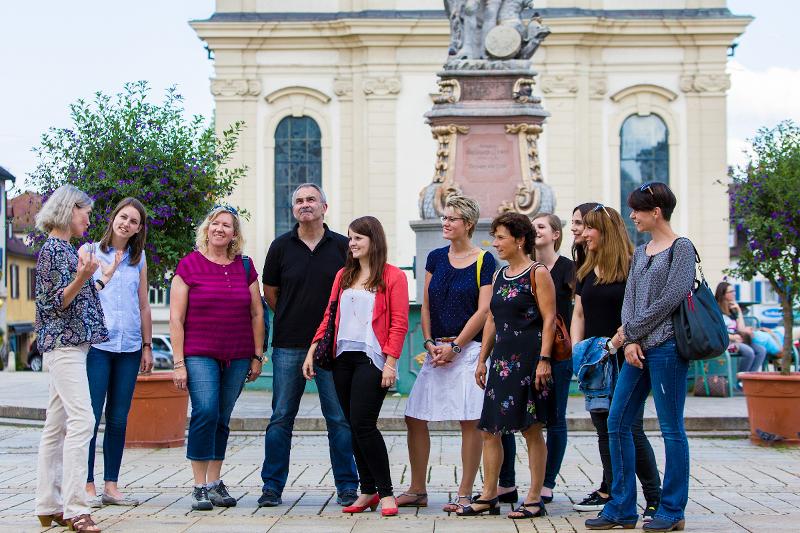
297	90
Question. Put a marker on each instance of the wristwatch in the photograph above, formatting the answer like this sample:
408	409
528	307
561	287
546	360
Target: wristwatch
610	347
259	358
147	345
456	347
425	344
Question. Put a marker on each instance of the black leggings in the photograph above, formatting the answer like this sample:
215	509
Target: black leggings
355	372
646	468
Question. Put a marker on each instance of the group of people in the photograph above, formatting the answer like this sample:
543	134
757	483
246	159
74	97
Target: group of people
489	337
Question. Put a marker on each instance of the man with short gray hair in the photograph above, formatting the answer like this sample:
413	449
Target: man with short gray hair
298	275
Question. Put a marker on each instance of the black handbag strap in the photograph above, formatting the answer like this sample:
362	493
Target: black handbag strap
696	257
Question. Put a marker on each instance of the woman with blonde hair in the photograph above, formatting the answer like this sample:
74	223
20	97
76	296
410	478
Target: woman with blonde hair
458	281
216	327
69	318
598	313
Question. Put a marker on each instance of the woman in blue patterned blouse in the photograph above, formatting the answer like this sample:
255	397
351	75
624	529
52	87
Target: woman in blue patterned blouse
69	318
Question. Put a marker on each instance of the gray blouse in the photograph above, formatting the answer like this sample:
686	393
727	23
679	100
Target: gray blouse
653	292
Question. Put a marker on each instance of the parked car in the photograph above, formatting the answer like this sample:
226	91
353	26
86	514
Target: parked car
34	361
162	360
162	342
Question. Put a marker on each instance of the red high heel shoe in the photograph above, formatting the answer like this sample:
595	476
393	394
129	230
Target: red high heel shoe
389	511
372	504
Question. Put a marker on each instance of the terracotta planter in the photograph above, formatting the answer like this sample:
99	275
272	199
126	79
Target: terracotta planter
772	401
158	413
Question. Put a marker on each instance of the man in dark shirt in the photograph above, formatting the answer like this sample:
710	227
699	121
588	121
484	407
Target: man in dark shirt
298	275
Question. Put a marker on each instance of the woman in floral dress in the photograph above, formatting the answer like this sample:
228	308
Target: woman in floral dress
519	335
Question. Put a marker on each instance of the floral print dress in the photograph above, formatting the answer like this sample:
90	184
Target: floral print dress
510	402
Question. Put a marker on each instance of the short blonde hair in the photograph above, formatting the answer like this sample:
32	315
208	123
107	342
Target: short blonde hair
236	245
467	208
56	213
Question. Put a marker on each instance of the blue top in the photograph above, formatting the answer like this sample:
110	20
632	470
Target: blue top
82	321
453	292
120	300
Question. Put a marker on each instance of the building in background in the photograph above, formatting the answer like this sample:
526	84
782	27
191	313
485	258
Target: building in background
334	92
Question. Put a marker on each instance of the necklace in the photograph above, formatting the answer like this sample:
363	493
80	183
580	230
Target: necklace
454	256
359	320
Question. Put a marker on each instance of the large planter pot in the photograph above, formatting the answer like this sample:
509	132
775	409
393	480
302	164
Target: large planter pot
158	413
772	406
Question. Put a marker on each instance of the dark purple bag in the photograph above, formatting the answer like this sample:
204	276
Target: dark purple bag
324	353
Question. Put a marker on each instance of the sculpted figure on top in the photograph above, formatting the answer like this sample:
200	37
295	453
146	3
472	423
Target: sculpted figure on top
484	33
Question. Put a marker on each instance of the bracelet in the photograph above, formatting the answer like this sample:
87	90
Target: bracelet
390	367
259	358
147	345
544	357
100	282
178	364
425	344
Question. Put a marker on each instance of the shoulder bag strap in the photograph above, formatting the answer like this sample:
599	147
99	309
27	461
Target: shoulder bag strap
480	264
246	262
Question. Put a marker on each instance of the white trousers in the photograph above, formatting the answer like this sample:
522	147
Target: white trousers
64	449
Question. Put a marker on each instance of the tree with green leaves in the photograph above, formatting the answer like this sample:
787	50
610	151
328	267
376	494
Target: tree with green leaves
765	205
127	146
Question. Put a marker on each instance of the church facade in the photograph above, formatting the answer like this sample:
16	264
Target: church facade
334	92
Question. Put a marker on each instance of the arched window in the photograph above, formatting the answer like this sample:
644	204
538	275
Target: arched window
644	157
298	160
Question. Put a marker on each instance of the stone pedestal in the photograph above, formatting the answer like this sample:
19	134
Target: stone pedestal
429	237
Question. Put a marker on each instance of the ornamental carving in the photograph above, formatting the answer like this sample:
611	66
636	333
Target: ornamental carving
433	196
558	84
523	91
449	92
598	87
533	195
701	83
228	88
343	88
381	86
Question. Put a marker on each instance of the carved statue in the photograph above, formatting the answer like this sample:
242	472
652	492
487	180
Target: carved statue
472	22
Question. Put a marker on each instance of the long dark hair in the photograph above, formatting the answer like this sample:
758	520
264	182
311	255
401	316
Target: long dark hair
136	242
578	250
378	254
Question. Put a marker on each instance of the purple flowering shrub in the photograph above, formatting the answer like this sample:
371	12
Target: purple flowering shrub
127	146
765	204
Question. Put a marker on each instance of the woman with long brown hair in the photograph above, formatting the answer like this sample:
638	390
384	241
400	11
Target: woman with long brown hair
371	323
598	313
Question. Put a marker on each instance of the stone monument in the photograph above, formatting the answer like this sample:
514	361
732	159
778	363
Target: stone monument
485	120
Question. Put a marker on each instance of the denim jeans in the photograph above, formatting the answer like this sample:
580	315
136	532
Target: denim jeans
646	467
288	385
214	387
112	378
556	432
665	374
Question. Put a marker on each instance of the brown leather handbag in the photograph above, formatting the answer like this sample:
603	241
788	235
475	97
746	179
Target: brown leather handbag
562	345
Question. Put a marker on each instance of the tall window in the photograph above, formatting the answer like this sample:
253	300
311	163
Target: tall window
13	277
298	160
31	284
644	157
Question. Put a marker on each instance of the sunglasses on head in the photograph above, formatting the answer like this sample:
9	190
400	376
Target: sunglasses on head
227	208
646	187
598	207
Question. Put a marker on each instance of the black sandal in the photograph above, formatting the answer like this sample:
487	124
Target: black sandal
523	510
493	509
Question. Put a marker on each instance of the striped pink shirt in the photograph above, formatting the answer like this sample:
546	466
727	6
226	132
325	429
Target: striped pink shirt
217	321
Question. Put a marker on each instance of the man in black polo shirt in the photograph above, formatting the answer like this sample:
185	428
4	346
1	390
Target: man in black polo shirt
298	275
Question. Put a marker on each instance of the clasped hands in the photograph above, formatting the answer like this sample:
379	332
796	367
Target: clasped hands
441	354
633	351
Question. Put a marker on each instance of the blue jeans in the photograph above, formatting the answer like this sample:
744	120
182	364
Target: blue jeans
112	378
288	385
214	387
665	374
556	432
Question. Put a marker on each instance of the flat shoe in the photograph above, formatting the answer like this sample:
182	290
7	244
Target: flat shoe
660	525
95	502
124	501
523	510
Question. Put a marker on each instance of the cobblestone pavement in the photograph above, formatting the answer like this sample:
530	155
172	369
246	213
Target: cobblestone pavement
735	486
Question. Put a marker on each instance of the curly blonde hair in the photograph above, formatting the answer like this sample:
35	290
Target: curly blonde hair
236	245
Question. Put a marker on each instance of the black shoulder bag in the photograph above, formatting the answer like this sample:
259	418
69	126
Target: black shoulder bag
265	347
700	331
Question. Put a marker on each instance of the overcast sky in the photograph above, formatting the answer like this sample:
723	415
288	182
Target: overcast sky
56	51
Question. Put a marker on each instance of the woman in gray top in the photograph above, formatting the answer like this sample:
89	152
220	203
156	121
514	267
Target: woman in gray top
657	283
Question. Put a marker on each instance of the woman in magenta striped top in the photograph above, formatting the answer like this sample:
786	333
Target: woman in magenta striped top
216	326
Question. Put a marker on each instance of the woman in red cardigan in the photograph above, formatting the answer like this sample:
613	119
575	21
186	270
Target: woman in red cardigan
373	293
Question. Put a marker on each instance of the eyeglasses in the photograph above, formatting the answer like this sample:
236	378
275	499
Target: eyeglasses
646	187
227	208
598	207
444	219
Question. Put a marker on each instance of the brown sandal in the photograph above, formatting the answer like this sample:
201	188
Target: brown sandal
82	524
417	499
46	520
